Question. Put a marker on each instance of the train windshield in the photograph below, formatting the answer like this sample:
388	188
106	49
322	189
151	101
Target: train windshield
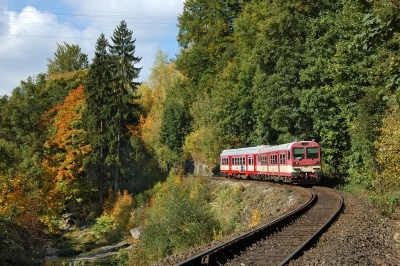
312	153
298	153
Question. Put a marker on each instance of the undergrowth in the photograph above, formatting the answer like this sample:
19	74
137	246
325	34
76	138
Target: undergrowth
387	204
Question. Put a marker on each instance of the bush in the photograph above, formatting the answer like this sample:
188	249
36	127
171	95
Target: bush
117	217
386	204
103	226
180	218
228	204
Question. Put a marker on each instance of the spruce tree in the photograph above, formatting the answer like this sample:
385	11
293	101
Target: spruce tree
124	73
98	113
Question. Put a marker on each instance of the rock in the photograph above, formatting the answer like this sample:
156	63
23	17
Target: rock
397	237
136	232
113	248
65	216
50	252
86	234
86	226
69	221
69	218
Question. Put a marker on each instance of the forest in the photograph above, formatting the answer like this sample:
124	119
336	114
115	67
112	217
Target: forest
86	137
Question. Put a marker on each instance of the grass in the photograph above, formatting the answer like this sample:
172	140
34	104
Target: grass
387	204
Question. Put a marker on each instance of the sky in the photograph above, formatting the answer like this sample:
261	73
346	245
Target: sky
31	29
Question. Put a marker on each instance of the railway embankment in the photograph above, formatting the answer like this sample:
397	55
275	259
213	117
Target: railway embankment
359	236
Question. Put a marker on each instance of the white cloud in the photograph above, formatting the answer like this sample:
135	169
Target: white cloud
29	37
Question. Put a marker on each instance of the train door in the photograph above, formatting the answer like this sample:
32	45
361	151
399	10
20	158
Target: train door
255	169
230	161
282	163
250	164
278	163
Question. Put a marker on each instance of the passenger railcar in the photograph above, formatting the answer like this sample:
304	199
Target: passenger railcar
297	163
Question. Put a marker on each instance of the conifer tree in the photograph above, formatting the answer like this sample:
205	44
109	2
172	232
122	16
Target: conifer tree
98	112
124	72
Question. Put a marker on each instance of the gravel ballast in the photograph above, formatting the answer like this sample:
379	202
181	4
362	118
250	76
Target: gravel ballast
360	236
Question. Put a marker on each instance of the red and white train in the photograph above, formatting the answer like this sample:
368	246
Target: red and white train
296	163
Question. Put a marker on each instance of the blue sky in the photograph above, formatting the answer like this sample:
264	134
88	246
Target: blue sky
31	29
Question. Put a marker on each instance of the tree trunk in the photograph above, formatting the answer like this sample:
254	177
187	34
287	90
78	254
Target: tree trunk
101	174
118	146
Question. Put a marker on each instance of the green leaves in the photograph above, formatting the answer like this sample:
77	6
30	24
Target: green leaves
180	218
67	58
123	60
175	125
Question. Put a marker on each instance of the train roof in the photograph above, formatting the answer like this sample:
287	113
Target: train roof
285	146
261	149
239	151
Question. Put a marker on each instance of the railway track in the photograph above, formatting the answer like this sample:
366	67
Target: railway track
279	241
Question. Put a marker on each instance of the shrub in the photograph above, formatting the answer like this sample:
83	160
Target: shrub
227	202
117	217
180	218
104	224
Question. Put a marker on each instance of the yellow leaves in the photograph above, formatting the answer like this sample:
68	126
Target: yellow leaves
178	180
255	218
120	208
388	150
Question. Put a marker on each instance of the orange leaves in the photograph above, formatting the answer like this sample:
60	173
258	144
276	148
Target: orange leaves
65	150
120	208
14	199
12	194
67	142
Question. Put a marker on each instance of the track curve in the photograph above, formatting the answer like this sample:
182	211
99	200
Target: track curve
279	241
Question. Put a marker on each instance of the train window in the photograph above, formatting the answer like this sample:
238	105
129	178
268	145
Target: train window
239	161
312	153
272	159
298	153
251	160
263	159
288	155
224	161
282	158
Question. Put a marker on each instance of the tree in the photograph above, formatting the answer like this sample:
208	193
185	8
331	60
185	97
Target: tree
67	58
9	157
388	156
174	127
124	72
65	150
162	79
205	31
99	99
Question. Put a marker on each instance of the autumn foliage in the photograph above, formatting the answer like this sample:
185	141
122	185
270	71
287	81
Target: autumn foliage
65	151
388	151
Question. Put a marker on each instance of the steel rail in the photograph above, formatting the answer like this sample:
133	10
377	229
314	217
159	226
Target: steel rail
316	235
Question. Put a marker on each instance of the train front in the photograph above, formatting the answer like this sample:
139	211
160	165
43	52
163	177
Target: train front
306	162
